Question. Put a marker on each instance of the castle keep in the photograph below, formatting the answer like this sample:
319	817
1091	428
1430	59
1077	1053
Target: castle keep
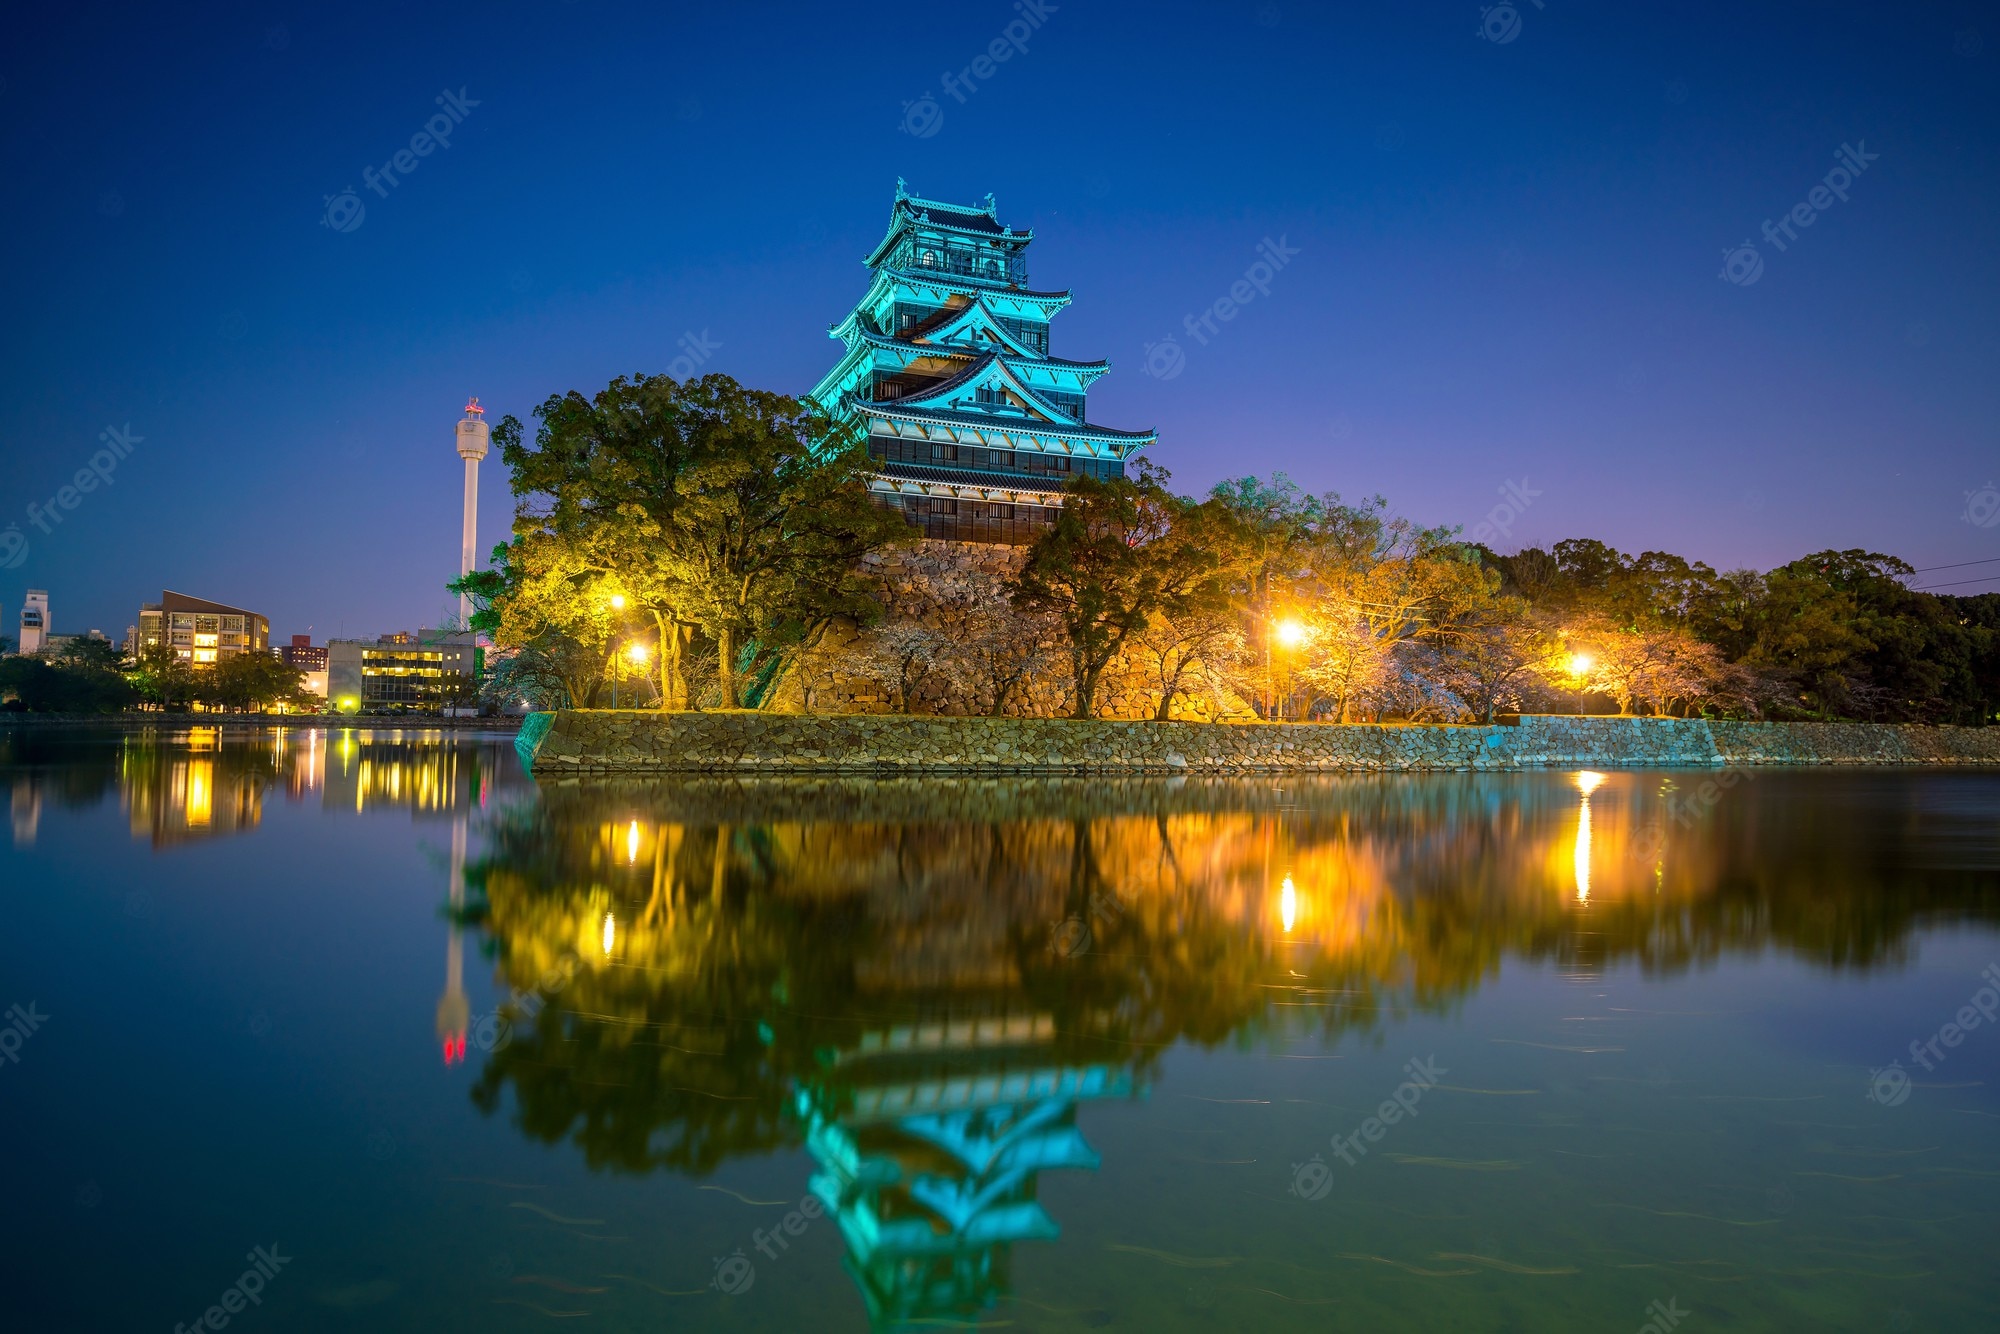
974	426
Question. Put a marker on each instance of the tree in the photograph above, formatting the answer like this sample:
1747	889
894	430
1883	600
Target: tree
1344	664
1195	649
163	678
1003	652
1491	659
1120	552
903	654
32	683
251	681
722	512
89	652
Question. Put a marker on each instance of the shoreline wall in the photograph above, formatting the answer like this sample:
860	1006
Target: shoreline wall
635	741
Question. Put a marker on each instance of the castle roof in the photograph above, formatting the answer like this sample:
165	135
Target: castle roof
939	404
912	211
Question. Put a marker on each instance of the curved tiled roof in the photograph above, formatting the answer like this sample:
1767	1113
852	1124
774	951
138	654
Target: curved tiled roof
986	422
919	472
957	350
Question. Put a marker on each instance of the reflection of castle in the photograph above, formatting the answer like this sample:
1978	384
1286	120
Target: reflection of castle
929	1138
927	977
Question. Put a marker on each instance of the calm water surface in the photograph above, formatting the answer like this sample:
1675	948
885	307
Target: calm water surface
473	1053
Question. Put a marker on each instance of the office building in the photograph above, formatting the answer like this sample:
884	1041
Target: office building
401	673
201	632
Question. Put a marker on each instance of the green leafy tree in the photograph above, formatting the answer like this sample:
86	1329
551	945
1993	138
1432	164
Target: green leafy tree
1121	552
726	514
252	681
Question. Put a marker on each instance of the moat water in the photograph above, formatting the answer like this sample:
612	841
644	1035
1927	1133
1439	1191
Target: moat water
1549	1051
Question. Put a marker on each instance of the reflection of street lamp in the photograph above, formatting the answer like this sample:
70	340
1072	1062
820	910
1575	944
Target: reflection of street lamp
1288	904
1587	783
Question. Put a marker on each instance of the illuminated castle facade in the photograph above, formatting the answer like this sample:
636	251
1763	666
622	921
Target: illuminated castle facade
973	425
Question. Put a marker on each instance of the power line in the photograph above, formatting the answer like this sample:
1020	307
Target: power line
1923	569
1957	583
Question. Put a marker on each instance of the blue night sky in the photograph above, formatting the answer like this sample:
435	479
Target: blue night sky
1508	263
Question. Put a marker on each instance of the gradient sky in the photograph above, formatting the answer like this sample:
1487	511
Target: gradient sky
1508	269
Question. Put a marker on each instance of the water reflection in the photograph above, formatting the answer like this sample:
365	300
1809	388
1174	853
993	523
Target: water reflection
185	784
921	981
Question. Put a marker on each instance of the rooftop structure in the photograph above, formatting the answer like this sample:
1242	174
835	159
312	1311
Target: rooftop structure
946	372
201	632
34	622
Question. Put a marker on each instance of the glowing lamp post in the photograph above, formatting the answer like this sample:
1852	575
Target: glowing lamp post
617	605
1289	633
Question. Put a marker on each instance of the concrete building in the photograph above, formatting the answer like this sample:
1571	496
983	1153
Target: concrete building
202	632
54	645
401	673
301	654
34	636
310	662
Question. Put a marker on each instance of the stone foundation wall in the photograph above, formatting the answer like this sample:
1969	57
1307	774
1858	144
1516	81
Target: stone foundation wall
581	741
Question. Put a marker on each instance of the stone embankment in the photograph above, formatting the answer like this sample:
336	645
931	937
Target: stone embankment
606	741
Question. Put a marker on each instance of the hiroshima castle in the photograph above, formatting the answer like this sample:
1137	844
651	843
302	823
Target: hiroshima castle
974	427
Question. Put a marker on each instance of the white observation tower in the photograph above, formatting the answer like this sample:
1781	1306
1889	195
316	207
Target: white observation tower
472	443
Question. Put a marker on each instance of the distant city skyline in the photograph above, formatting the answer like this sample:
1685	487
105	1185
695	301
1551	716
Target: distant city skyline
1718	282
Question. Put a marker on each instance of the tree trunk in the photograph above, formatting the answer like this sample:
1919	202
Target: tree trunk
725	667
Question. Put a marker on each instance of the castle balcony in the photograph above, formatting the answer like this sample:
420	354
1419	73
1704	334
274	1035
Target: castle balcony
960	262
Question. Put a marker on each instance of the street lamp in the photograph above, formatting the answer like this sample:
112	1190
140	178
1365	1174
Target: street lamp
1290	633
617	604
